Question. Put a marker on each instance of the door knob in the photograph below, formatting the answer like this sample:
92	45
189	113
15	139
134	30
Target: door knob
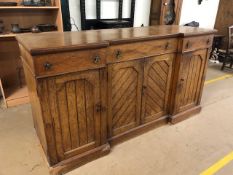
47	65
96	59
118	54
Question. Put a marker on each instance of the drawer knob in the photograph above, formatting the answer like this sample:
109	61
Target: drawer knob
208	41
165	3
47	65
118	54
96	59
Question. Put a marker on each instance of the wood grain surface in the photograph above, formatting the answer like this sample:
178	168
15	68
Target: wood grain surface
68	41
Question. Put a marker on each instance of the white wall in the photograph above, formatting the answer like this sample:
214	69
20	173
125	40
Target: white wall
205	13
109	10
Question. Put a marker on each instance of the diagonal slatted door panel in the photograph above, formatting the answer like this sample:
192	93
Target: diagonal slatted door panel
124	86
123	95
76	122
157	75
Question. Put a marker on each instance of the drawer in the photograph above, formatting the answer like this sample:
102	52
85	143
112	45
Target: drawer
66	62
195	43
125	52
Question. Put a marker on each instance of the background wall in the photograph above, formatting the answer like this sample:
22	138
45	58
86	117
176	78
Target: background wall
205	13
109	10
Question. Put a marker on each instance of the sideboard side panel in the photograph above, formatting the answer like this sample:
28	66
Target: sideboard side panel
36	107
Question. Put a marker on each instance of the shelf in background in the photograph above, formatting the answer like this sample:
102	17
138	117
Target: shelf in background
14	96
17	96
8	35
25	16
29	7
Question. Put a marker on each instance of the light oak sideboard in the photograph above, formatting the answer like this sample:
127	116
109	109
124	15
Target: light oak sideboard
90	90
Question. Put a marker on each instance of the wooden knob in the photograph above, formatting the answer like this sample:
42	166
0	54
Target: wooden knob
208	41
118	54
47	66
96	59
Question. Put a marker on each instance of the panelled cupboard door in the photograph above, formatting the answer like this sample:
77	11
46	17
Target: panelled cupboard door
191	77
124	88
74	108
156	86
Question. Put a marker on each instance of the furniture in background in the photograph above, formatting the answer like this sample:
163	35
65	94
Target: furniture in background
228	53
97	89
217	43
12	81
100	23
224	19
165	12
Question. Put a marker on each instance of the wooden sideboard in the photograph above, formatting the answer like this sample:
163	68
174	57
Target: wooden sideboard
92	89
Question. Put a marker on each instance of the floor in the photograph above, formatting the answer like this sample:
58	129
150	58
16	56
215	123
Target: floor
187	148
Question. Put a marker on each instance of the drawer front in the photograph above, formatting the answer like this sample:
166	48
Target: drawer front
195	43
126	52
55	64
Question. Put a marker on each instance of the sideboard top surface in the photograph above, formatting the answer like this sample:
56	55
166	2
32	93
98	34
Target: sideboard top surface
53	42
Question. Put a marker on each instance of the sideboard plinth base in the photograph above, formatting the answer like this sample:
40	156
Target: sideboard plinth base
74	162
138	130
185	115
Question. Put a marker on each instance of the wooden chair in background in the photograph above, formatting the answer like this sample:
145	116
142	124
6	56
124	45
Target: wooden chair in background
228	59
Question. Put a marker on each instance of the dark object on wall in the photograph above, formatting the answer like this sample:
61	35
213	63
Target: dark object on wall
1	26
165	12
8	3
66	15
199	2
15	28
99	23
36	2
35	29
192	24
47	27
170	15
25	30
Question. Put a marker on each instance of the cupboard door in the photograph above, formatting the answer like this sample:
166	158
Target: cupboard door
156	87
124	86
74	102
191	80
